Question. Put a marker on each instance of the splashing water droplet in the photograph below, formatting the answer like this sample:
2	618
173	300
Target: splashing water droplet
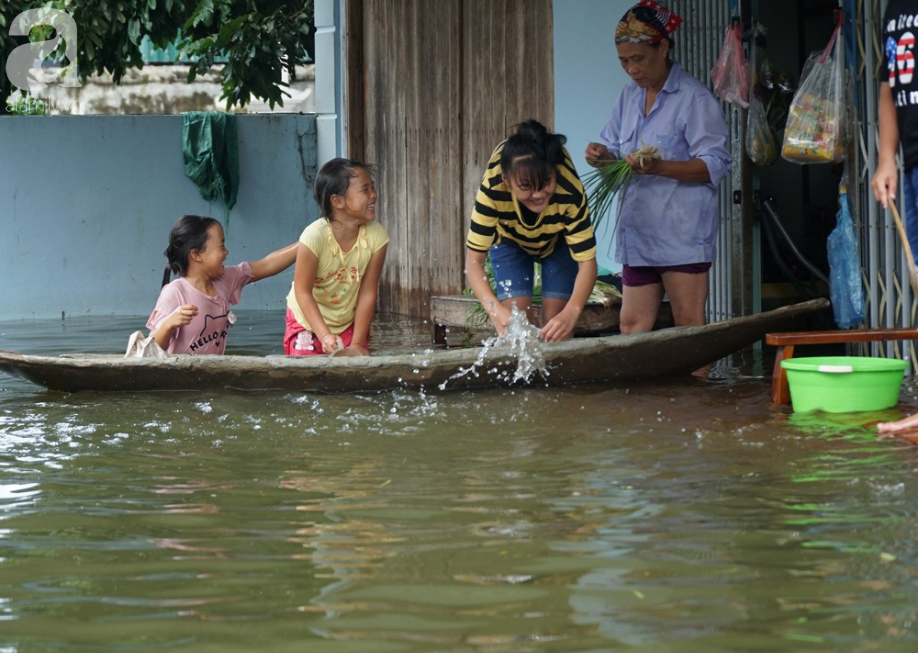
521	341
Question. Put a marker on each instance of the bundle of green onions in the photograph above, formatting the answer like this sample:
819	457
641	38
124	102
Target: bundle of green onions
603	184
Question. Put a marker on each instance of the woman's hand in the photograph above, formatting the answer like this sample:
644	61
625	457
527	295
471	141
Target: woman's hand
645	165
693	171
597	155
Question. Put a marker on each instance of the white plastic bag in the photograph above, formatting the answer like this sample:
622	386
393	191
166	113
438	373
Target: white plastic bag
143	347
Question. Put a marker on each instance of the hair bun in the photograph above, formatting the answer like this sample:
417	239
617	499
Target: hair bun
551	145
533	130
534	148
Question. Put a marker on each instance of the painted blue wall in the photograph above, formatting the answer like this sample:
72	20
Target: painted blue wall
86	204
588	80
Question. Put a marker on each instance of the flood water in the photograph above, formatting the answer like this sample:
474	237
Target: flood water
687	515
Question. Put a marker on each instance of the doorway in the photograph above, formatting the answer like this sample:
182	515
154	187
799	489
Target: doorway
794	205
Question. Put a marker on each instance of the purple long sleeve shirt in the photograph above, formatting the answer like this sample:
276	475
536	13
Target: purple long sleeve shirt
662	221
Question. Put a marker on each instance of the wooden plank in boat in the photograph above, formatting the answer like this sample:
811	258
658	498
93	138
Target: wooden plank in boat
457	311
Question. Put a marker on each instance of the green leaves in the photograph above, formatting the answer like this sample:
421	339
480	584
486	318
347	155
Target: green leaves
603	185
134	31
204	13
260	38
612	177
227	33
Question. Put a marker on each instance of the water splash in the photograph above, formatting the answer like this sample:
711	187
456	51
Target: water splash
521	341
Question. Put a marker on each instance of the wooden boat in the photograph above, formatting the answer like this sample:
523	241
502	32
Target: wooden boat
616	358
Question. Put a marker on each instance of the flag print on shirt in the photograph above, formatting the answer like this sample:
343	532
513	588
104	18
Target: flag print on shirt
905	60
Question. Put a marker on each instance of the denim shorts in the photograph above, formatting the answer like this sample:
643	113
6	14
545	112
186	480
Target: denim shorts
514	271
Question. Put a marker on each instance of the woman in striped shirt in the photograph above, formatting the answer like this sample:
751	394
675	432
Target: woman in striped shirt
532	207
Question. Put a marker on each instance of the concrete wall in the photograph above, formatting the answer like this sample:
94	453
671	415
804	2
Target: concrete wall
163	89
588	80
86	204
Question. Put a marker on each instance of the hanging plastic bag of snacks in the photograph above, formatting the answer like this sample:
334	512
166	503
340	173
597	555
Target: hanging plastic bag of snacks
815	131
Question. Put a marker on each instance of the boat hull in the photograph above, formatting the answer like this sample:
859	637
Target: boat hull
618	358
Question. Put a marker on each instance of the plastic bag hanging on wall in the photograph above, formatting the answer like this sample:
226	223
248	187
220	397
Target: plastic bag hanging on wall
761	144
815	131
845	289
730	73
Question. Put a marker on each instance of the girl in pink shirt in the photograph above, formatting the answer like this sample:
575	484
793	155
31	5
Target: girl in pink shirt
192	315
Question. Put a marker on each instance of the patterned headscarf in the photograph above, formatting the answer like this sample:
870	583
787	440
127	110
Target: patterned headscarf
646	22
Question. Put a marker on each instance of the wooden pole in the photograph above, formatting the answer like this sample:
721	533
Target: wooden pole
909	259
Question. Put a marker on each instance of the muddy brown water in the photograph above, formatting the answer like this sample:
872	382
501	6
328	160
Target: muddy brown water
683	515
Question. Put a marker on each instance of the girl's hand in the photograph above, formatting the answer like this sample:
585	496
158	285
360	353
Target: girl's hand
596	152
329	343
182	316
500	316
558	328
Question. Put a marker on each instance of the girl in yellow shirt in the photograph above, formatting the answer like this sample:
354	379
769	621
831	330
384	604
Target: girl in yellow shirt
338	264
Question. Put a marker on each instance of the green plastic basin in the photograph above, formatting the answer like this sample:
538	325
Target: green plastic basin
844	384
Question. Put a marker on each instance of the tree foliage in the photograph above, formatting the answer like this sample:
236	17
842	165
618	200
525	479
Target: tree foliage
259	38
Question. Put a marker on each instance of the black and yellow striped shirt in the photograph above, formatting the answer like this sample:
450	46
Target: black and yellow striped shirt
498	216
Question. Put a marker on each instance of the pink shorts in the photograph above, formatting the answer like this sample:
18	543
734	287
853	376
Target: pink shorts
644	275
300	342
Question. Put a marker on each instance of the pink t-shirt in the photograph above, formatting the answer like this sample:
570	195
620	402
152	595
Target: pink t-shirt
206	334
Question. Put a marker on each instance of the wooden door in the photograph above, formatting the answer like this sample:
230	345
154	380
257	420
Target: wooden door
432	87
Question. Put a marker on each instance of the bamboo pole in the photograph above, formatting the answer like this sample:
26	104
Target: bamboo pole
909	259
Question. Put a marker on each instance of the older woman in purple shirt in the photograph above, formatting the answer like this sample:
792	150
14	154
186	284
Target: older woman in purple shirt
667	224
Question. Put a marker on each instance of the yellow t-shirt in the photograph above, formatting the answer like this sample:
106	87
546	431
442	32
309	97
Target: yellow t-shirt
339	273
